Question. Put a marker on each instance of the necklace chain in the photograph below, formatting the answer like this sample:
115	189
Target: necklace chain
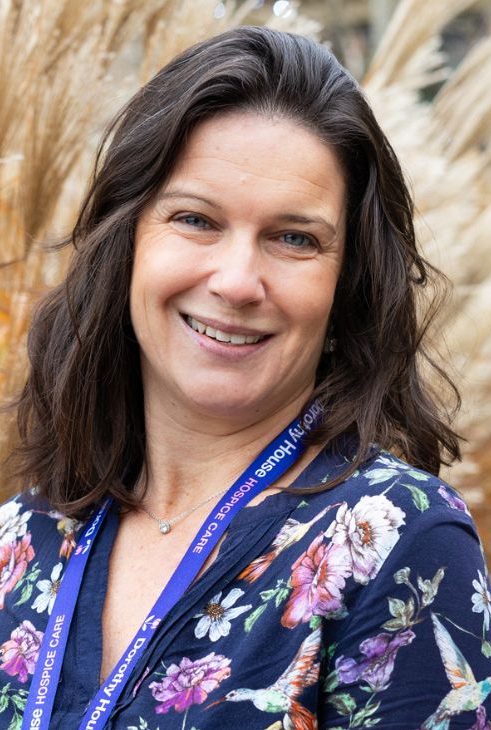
165	526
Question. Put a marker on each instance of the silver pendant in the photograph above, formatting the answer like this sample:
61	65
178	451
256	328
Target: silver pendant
164	527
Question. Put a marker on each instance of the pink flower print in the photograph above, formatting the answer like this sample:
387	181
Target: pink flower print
19	654
190	683
318	578
376	669
369	531
14	559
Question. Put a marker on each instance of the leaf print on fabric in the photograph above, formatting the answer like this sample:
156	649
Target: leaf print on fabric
27	584
15	700
291	532
482	599
276	595
14	559
142	725
392	468
19	654
408	613
403	613
318	579
376	668
466	694
216	616
49	590
419	497
189	683
281	696
369	531
453	499
343	702
429	588
12	524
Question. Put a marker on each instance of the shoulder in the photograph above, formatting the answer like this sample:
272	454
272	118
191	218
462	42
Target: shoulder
35	541
386	484
31	519
389	508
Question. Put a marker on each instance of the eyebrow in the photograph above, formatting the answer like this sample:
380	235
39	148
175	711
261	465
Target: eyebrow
304	220
285	217
165	195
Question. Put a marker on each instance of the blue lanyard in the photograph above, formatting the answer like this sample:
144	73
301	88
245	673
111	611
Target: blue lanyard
267	468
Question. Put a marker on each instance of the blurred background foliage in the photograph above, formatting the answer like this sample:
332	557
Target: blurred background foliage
66	67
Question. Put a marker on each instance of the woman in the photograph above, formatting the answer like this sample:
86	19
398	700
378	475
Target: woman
245	269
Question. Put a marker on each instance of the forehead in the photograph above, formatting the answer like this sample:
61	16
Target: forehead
260	154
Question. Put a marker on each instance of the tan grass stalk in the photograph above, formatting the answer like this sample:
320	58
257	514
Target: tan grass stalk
444	147
408	52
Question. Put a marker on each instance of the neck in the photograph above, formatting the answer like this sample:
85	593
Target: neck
190	460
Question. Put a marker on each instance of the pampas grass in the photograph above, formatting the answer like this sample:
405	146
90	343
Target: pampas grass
57	67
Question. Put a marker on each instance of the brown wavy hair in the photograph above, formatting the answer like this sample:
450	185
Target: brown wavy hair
80	414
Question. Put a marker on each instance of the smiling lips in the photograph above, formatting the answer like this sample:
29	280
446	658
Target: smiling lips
220	335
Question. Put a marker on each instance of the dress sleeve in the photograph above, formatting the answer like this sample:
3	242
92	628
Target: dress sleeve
414	651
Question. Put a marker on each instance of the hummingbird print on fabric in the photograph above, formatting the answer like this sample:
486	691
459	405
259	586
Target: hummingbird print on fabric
291	532
467	693
281	696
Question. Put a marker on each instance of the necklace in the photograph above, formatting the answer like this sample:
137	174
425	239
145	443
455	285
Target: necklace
166	526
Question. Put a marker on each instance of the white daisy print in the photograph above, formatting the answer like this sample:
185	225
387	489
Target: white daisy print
482	599
217	614
49	590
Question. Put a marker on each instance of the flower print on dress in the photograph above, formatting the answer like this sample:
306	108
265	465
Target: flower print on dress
14	559
19	654
49	590
189	683
482	599
482	723
291	533
12	524
217	614
369	531
376	669
318	579
453	499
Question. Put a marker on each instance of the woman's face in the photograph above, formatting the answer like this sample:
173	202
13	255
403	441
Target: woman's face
236	264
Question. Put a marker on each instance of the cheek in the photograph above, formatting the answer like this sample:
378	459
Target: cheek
157	276
312	313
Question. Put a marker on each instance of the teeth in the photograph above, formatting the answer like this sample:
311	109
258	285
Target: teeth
238	339
215	334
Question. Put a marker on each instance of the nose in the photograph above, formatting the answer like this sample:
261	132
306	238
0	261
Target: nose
237	273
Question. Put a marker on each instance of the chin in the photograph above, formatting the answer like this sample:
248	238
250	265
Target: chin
234	408
227	403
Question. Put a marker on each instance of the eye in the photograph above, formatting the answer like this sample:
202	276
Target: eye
299	240
193	220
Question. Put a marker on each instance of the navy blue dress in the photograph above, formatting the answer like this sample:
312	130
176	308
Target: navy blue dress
365	605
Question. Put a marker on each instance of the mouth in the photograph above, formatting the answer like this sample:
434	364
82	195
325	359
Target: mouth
236	338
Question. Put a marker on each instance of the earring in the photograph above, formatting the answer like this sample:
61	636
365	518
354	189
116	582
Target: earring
330	344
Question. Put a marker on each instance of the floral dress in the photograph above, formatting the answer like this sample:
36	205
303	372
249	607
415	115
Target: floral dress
365	605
